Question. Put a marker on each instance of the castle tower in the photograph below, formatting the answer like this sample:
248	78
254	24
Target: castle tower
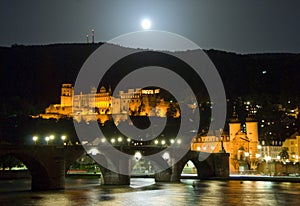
66	98
252	134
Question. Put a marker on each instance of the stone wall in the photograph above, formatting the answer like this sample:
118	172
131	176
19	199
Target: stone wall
278	168
14	174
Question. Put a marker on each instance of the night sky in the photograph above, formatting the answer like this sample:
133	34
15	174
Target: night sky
239	26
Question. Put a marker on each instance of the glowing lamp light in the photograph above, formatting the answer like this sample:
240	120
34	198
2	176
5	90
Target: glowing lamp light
137	156
51	137
35	138
166	156
268	158
47	139
94	152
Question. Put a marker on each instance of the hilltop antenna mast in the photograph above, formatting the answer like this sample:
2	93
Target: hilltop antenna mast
93	36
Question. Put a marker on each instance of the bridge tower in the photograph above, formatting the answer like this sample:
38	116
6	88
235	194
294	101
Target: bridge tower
252	134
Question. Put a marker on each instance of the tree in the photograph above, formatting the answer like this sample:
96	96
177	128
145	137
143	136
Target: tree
9	162
284	154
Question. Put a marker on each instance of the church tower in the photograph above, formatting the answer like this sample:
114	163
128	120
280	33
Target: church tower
66	98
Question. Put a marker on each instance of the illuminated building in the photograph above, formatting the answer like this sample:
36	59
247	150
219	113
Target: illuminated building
293	145
101	105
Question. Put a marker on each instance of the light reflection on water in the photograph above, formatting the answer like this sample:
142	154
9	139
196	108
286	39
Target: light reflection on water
146	192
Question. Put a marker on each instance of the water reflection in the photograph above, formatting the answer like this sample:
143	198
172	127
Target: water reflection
147	192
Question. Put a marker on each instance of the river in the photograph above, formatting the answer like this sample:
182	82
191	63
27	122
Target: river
145	192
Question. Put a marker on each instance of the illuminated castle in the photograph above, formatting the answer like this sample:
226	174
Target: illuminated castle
101	105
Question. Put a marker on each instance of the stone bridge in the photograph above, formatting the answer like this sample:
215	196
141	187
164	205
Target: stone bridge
48	164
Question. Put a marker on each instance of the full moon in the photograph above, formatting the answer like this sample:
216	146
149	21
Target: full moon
146	24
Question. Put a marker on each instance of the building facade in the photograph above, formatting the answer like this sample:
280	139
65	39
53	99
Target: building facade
101	105
293	145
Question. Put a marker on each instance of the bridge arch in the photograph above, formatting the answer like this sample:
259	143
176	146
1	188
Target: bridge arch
45	163
204	169
39	174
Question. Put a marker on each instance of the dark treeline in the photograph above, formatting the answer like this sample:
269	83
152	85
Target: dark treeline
31	76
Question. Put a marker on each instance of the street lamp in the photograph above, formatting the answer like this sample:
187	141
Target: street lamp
179	141
137	156
34	138
51	138
63	138
166	156
47	139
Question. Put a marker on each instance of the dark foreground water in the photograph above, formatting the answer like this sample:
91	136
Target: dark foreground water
145	192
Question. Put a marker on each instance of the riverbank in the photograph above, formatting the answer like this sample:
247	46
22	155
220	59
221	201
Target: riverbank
256	178
194	177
